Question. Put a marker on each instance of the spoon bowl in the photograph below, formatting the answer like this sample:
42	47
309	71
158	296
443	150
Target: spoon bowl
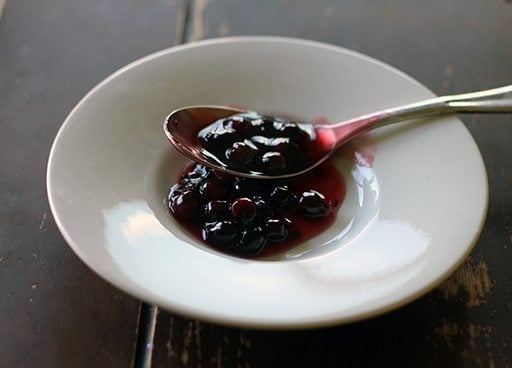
183	126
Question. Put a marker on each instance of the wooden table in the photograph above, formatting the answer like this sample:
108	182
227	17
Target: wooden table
54	312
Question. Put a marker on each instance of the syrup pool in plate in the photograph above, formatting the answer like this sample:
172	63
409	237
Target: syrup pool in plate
251	217
407	221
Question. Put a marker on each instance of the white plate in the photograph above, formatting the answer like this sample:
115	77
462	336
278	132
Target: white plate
406	224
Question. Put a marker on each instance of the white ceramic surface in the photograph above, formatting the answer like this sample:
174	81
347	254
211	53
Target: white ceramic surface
407	222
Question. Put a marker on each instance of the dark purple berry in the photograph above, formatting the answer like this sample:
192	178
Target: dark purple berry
237	123
277	229
257	126
185	206
243	209
241	153
313	204
225	178
192	179
252	242
174	191
270	130
212	188
288	149
261	142
264	210
292	130
282	196
201	169
222	234
273	161
218	137
243	187
278	142
216	211
285	146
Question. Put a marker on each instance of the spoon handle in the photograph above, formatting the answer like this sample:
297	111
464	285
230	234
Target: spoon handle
488	101
491	100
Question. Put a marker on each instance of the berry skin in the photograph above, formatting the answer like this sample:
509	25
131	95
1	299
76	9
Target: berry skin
222	234
227	179
277	229
237	123
252	242
212	188
243	209
264	209
192	179
313	204
241	153
273	161
282	196
216	210
257	126
292	130
217	137
243	187
174	191
185	206
260	142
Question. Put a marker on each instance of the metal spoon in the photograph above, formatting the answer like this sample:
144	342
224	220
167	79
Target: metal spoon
182	126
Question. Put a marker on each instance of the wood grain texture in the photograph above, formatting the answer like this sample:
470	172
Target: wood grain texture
449	47
54	312
472	279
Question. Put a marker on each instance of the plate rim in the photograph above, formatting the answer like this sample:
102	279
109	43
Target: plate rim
220	318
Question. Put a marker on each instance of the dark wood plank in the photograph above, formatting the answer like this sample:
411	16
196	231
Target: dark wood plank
450	47
54	312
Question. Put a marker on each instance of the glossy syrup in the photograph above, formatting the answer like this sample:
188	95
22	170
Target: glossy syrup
325	179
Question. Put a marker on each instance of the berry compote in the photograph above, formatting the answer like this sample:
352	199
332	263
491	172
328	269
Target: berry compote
253	143
250	217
